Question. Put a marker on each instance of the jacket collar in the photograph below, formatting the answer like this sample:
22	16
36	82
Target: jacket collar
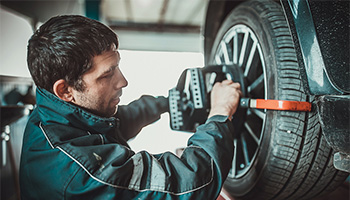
53	110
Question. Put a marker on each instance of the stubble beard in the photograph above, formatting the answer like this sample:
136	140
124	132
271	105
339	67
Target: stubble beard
93	106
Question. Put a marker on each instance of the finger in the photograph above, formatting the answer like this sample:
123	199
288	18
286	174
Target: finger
236	85
227	82
240	93
216	84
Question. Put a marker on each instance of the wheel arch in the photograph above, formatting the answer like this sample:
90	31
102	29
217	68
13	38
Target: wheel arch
217	12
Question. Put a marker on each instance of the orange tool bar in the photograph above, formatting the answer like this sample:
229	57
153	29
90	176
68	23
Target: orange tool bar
271	104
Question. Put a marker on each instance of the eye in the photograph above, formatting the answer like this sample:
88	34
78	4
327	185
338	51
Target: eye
108	75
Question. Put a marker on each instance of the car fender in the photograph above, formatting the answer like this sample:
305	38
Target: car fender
321	37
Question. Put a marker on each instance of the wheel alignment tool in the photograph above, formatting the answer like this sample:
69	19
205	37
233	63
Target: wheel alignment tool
189	100
272	104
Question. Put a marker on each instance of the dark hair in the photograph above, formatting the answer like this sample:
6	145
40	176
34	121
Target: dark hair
63	48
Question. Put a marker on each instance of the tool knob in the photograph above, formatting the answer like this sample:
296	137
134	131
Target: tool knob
244	102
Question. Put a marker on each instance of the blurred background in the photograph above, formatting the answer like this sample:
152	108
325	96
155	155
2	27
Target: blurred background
158	40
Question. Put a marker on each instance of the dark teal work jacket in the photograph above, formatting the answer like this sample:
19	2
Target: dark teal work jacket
69	153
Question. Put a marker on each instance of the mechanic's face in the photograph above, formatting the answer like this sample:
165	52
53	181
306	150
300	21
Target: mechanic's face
104	83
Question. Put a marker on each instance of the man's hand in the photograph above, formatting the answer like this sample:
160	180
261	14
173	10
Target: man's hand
225	98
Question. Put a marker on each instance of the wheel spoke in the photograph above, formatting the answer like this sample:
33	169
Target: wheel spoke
258	84
225	52
251	132
235	49
245	150
234	161
261	114
243	49
218	59
250	58
211	81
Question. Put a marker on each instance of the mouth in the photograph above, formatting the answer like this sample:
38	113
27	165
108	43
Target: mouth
116	99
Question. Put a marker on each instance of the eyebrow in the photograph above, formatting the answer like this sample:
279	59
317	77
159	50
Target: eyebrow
109	70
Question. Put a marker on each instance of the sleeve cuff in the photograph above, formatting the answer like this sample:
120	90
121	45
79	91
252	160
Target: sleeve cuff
163	103
217	118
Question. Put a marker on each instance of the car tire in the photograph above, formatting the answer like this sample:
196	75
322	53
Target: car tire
278	154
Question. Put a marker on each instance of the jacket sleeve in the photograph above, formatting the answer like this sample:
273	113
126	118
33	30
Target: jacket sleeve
140	113
121	174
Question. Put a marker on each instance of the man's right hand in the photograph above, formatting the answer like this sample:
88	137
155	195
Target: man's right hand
225	98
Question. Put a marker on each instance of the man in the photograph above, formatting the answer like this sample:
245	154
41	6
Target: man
75	143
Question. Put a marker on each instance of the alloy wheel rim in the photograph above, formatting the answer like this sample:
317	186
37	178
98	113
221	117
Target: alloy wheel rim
240	47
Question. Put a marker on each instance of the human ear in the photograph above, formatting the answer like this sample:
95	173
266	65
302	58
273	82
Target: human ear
62	90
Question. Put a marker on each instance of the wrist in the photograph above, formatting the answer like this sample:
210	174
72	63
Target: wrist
218	118
214	112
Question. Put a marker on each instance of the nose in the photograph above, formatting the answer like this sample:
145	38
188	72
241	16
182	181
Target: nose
124	81
120	79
